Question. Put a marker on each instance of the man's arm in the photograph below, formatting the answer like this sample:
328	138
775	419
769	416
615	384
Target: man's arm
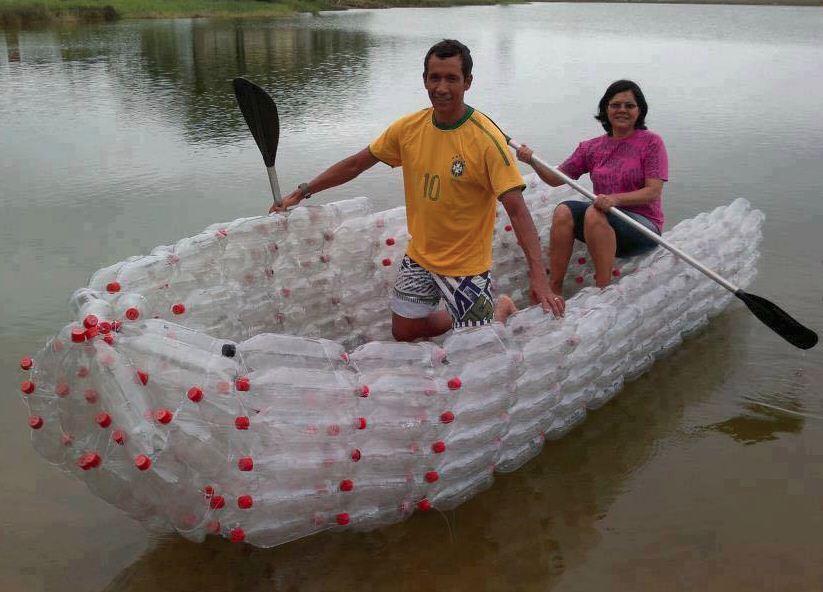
337	174
528	240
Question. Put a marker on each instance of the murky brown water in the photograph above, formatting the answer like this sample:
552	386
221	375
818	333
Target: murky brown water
707	473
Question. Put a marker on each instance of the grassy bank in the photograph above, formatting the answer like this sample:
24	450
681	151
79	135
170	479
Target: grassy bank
23	13
32	12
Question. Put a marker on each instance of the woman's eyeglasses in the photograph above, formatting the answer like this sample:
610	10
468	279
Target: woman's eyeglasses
628	106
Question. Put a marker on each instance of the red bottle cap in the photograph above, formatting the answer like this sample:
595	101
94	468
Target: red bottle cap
109	338
346	485
208	491
582	260
90	321
91	333
90	395
446	417
27	386
616	272
35	422
178	308
424	505
508	227
360	423
364	391
143	377
432	477
390	241
78	335
62	390
237	535
356	455
89	460
217	502
244	502
142	462
386	262
119	436
242	384
102	419
242	422
439	447
26	363
132	314
455	383
342	519
104	327
113	287
163	416
245	463
195	394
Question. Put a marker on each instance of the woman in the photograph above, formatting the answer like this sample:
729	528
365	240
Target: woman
628	166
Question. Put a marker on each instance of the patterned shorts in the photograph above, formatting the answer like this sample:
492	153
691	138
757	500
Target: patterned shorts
417	292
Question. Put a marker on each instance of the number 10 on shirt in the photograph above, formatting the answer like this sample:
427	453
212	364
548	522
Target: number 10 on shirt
431	186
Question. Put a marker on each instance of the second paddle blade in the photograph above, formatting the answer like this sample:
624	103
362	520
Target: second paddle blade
260	113
779	321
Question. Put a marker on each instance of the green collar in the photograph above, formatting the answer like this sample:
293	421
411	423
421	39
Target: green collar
456	124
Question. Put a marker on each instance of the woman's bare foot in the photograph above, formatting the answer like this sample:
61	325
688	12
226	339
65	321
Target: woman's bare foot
504	309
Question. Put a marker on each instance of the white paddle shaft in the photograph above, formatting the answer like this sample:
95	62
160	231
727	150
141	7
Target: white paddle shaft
275	186
634	223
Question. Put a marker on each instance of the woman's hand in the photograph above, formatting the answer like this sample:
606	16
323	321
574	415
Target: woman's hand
604	203
291	200
524	154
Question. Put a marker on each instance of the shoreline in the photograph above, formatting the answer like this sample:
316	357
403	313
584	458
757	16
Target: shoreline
16	14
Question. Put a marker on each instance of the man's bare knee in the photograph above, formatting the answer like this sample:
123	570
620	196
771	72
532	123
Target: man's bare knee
403	329
402	334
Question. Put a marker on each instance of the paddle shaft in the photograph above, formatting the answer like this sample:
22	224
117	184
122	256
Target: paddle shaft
635	224
275	186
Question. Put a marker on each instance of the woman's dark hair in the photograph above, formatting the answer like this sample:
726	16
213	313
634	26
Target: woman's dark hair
450	48
619	87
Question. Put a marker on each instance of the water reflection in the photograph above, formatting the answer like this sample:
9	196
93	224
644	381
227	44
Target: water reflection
762	423
181	70
194	66
525	532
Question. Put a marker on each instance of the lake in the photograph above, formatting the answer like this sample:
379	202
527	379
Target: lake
706	473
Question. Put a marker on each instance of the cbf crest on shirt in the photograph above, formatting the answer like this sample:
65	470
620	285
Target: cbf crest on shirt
452	178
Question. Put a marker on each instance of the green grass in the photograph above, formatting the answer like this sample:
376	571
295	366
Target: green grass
27	12
44	12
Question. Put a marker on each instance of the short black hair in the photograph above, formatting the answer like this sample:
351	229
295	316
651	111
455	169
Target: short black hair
449	48
619	87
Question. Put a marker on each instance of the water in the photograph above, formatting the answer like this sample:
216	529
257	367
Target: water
705	473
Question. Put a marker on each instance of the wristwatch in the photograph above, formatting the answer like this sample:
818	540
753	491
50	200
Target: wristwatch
304	190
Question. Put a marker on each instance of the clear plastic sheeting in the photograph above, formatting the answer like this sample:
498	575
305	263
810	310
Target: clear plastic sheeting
243	382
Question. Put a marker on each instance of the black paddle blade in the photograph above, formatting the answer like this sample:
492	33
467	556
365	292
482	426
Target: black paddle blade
260	113
779	321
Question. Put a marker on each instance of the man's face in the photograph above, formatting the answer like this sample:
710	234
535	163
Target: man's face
445	83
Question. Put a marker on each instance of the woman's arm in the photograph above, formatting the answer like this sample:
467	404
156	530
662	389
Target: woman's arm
651	191
524	153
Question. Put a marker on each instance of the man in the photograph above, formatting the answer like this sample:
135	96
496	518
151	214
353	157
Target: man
455	164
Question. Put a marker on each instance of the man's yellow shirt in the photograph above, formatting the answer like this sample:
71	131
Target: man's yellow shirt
452	178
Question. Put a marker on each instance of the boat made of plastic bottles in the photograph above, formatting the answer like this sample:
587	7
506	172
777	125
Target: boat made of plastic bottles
243	382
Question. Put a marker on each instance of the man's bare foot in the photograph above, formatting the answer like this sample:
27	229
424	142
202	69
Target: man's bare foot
504	309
